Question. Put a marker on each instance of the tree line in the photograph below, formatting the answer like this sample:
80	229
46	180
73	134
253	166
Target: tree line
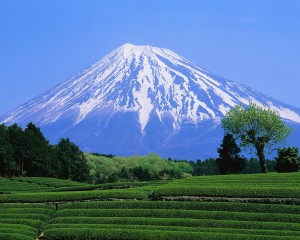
259	128
231	162
28	153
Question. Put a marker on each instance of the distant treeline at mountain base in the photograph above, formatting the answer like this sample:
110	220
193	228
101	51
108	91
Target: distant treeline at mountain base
28	153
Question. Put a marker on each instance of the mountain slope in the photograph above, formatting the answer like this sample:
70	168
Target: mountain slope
139	99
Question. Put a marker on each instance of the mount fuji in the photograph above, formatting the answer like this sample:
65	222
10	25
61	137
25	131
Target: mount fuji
141	99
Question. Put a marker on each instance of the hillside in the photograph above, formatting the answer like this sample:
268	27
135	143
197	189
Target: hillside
257	206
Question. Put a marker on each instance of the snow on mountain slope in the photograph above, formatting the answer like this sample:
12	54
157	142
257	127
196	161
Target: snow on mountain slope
150	84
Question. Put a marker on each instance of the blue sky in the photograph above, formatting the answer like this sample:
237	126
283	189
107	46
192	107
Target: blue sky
43	43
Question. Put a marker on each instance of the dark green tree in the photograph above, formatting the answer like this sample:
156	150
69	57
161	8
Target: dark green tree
72	163
8	165
141	174
252	166
288	160
229	160
37	152
63	153
257	127
206	167
125	174
18	142
270	165
54	167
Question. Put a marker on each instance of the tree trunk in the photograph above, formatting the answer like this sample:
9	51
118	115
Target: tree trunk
20	171
261	156
22	168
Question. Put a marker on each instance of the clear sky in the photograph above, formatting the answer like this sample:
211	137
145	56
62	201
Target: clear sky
43	43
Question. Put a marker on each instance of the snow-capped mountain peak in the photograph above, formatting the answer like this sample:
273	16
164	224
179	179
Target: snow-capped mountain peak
149	84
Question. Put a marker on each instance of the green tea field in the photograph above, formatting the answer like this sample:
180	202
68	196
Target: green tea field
258	206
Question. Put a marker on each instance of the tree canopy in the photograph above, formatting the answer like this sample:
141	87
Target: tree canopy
257	127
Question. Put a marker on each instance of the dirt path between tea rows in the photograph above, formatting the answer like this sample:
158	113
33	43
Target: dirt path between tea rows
40	237
268	200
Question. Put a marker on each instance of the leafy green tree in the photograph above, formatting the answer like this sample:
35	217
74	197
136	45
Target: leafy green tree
256	127
288	160
229	160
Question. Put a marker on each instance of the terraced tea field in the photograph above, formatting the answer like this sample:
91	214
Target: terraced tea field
23	221
215	207
174	220
272	187
35	184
